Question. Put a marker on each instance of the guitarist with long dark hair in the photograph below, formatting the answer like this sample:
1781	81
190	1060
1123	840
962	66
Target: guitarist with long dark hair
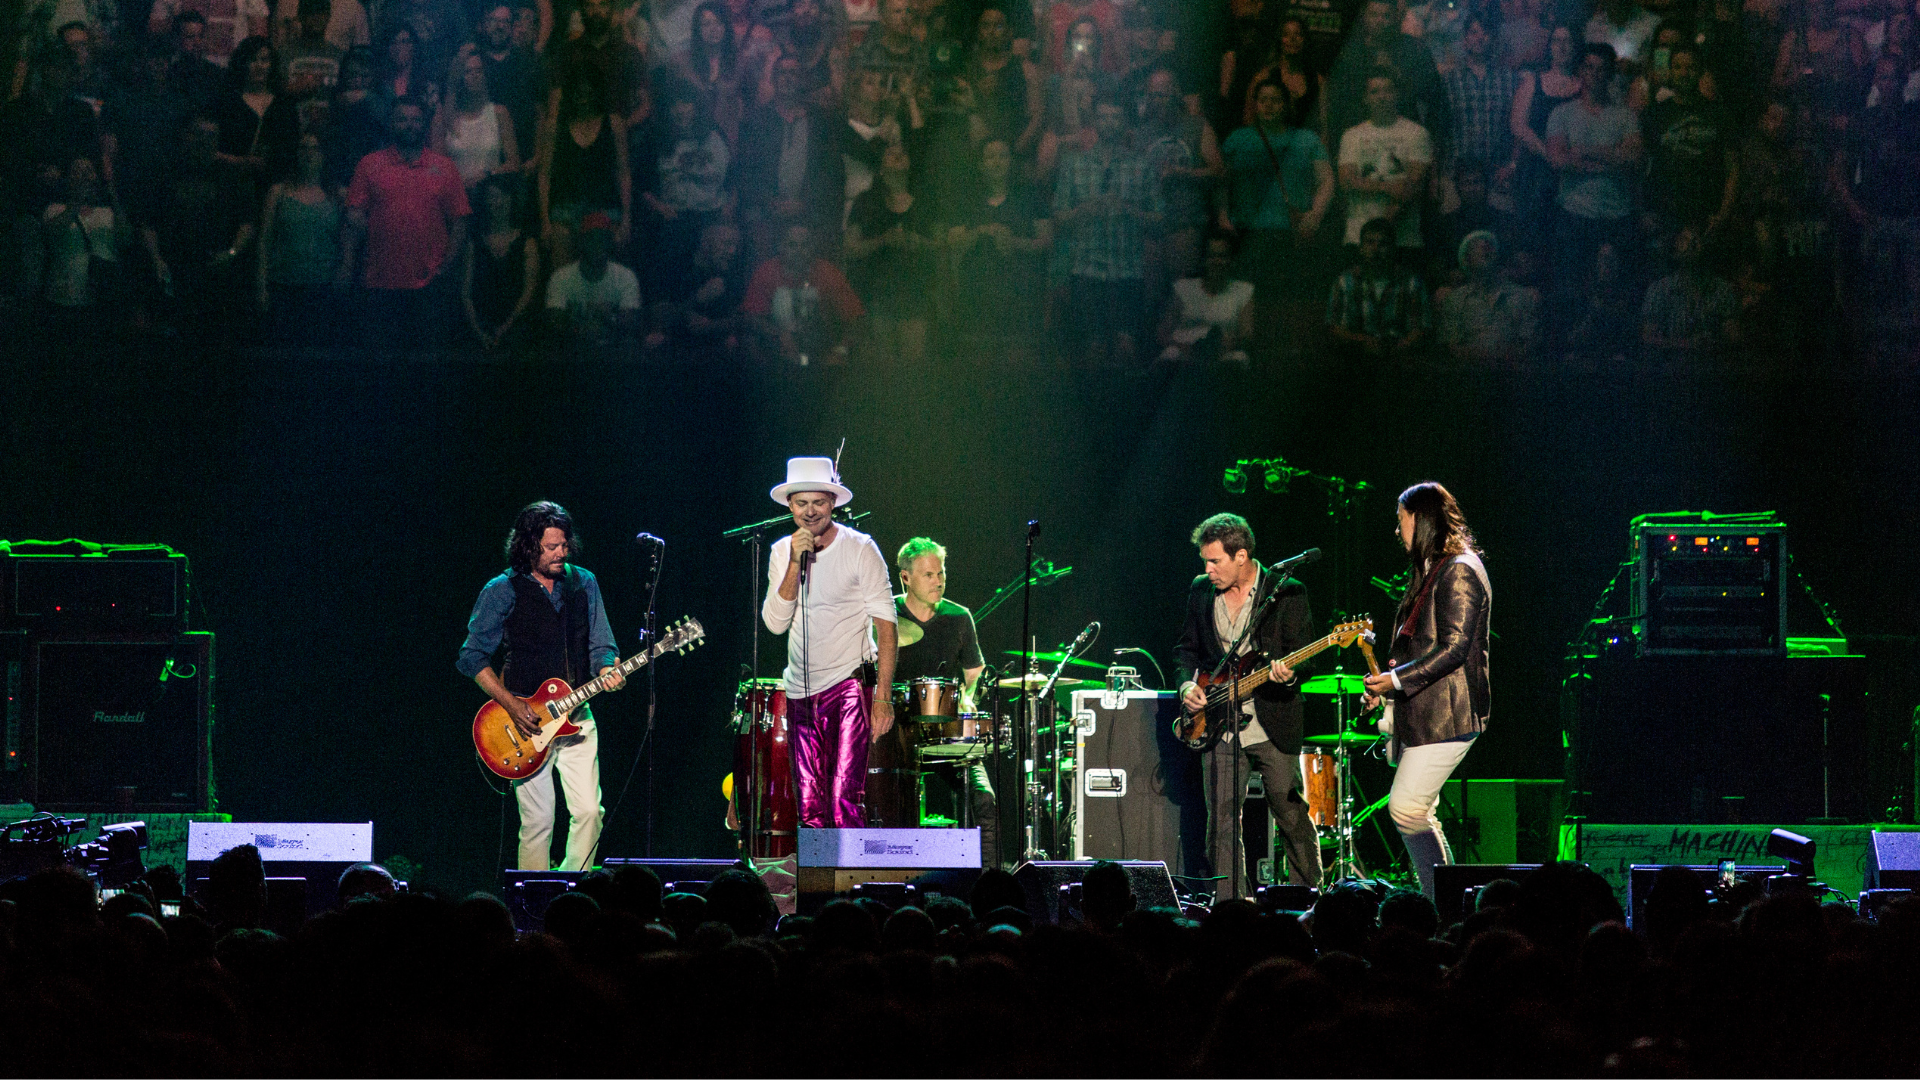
1234	590
1437	678
541	620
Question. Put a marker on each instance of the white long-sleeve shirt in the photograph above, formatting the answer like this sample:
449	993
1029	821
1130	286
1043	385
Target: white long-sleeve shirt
847	587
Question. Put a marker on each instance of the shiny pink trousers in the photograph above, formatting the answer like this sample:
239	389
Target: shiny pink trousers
831	733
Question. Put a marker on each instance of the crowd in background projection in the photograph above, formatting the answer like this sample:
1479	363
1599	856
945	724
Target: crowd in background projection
1540	979
1109	183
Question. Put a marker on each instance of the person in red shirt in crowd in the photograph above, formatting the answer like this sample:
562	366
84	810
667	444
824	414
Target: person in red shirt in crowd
802	305
407	205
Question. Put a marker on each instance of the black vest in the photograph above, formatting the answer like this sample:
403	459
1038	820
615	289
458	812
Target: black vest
542	643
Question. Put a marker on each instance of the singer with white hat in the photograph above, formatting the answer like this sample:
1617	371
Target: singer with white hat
829	591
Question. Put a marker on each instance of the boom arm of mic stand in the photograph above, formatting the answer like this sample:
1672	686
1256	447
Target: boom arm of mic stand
746	532
1001	594
1046	692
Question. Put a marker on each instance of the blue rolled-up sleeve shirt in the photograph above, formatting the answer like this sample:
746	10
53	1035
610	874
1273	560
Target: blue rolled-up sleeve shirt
488	623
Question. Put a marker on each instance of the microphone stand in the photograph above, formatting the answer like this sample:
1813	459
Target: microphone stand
1233	728
653	672
1031	780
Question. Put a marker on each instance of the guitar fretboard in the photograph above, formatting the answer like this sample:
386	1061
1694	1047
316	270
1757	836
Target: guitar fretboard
679	637
1246	684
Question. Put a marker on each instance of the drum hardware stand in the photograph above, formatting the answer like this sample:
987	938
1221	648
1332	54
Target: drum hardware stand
1346	861
1058	798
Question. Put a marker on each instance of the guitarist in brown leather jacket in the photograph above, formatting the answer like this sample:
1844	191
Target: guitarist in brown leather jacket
1437	678
1235	589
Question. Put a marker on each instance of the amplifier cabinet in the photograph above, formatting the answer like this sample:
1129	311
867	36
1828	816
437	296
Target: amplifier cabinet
74	588
121	724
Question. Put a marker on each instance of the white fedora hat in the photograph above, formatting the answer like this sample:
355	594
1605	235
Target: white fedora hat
811	474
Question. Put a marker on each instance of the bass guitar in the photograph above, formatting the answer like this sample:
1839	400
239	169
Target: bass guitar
1199	728
510	755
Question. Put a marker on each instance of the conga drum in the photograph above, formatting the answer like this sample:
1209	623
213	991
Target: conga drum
1317	778
893	780
763	793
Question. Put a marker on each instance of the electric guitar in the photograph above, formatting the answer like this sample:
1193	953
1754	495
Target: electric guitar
1199	728
513	756
1385	722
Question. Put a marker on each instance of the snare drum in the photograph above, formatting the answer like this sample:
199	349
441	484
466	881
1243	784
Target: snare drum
966	735
763	767
934	699
1317	780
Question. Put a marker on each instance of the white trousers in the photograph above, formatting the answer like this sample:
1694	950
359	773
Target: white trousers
1417	782
576	759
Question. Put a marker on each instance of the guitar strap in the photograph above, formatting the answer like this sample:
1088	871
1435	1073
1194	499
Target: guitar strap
1419	601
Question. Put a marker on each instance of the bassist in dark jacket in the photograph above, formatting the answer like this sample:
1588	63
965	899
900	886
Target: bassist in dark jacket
1437	681
1235	589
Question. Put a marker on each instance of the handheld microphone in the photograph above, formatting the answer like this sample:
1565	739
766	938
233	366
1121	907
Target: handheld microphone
1308	556
649	538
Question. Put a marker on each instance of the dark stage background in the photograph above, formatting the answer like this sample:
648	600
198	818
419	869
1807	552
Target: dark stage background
342	510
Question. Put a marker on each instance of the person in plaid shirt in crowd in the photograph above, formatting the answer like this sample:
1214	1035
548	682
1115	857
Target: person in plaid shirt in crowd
1378	309
1480	94
1107	198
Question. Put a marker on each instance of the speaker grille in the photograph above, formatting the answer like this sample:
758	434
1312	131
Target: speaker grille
105	721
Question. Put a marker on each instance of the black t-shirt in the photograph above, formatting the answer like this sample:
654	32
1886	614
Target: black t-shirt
891	277
948	640
1687	147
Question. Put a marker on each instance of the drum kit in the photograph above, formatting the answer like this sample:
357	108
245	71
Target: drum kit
930	729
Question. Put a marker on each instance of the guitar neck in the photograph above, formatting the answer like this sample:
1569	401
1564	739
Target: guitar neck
1366	650
1246	684
579	697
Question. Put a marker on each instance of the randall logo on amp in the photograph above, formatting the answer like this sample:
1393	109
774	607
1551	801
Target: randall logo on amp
119	718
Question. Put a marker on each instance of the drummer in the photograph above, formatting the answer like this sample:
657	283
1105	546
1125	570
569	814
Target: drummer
937	641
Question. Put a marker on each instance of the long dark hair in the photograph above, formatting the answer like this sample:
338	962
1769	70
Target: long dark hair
523	540
697	48
1439	528
242	58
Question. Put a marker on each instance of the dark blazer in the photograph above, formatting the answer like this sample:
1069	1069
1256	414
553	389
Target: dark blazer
1442	663
1286	625
757	164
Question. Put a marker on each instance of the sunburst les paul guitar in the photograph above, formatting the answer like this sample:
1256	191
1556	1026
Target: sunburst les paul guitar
509	754
1199	728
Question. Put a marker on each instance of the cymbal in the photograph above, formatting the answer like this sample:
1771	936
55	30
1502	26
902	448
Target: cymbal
909	632
1056	657
1334	684
1037	680
1351	738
